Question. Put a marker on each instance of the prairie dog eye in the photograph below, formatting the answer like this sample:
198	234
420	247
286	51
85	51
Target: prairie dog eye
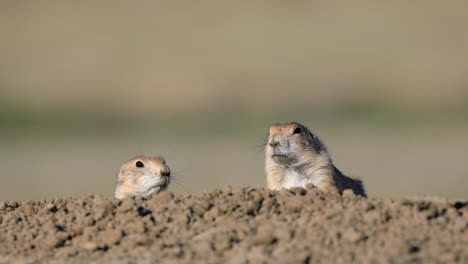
298	130
139	164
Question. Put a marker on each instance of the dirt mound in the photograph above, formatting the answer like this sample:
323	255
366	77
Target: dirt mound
240	225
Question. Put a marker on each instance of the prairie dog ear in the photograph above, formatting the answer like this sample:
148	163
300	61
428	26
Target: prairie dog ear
311	135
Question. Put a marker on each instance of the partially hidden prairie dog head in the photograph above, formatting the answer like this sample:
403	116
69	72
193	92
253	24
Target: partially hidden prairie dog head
292	144
142	176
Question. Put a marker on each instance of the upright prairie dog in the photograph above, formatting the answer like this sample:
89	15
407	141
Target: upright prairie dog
295	158
142	176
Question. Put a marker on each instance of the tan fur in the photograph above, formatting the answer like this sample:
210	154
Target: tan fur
295	157
153	177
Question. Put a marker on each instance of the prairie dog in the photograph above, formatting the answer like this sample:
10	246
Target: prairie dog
296	157
142	176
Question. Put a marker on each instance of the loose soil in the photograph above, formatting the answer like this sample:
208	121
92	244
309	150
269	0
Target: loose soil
235	225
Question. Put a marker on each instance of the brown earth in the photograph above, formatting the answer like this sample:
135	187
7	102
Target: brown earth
235	225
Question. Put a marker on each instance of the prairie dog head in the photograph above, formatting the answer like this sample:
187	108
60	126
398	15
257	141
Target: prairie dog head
142	176
292	144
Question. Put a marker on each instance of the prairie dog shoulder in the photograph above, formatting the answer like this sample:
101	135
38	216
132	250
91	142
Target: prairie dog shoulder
296	157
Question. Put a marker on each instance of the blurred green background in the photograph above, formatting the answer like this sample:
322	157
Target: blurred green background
87	85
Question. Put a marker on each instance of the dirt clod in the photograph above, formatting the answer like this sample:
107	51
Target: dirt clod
110	237
91	246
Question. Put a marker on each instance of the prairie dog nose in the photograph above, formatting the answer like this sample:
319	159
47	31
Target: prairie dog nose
273	143
165	171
